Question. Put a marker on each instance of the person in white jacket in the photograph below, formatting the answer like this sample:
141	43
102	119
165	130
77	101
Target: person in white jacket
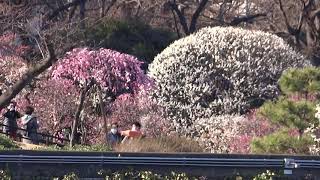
29	122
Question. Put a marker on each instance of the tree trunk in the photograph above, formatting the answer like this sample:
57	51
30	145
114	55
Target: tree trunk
102	8
82	13
77	115
31	73
105	128
195	16
176	24
182	18
66	7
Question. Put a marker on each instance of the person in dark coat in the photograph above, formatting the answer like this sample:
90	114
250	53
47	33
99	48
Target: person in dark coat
10	120
30	123
114	136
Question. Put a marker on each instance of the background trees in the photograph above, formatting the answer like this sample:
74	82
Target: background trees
36	34
131	37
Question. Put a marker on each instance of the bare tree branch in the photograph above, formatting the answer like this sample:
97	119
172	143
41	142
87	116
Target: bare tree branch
176	24
109	7
237	20
196	15
63	8
6	97
183	20
315	13
291	30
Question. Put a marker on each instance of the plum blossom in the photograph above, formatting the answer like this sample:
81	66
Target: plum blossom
113	71
219	71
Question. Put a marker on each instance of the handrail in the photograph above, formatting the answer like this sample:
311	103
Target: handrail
42	134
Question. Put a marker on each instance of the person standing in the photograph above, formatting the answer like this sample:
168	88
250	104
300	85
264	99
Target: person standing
29	122
10	121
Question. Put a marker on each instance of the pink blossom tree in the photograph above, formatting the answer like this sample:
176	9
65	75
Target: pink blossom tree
108	72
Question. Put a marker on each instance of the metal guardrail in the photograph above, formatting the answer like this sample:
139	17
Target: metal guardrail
206	162
160	161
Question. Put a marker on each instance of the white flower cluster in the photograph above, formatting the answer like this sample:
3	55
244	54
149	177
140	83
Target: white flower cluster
215	134
220	70
314	130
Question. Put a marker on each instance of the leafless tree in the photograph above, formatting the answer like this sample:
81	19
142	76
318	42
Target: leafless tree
48	39
306	30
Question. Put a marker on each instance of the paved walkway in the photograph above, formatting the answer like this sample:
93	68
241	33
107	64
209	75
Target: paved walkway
26	146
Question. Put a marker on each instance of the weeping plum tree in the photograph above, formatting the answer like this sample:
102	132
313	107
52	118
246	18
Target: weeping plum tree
108	71
220	70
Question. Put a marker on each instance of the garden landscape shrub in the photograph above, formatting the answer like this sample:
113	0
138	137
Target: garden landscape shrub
215	134
6	143
129	108
314	130
160	144
282	142
252	126
220	70
230	133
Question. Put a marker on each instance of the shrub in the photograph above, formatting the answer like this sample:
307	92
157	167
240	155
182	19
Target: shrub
161	144
252	126
268	175
7	143
149	175
215	134
71	176
220	70
81	148
282	142
290	114
314	129
5	175
304	81
130	108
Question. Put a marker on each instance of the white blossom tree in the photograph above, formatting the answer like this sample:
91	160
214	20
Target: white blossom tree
220	70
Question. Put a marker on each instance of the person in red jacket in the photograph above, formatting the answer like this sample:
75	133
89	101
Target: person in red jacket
134	133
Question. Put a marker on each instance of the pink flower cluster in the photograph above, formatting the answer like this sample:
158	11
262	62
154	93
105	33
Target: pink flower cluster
252	126
112	70
130	108
10	46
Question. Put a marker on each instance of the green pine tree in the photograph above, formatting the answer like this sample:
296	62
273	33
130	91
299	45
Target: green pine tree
291	114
